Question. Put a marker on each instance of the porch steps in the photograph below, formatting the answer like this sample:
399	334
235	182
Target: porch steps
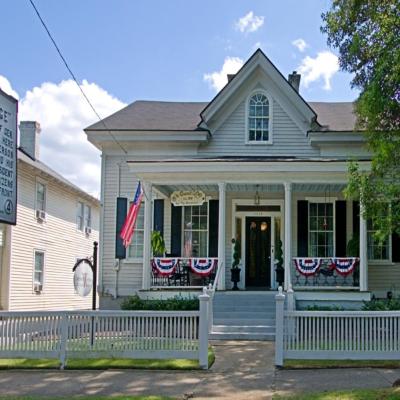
244	316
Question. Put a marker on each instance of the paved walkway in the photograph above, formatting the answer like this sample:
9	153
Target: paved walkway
243	370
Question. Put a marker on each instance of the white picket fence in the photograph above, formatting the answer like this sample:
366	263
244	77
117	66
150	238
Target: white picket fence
335	335
106	334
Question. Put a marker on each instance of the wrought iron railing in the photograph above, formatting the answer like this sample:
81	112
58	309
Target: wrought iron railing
183	271
325	272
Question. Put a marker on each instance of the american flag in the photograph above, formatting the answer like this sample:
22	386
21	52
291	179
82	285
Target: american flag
128	228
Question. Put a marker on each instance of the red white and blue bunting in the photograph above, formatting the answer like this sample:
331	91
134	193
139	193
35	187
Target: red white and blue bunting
308	266
165	266
344	266
202	266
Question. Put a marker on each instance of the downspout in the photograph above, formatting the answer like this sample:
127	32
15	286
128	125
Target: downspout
100	288
117	265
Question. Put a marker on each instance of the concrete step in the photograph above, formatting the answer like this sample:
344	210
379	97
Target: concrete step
244	328
244	314
244	322
239	307
241	336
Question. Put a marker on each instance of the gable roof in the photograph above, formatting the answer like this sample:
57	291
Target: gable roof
22	156
259	59
154	115
180	116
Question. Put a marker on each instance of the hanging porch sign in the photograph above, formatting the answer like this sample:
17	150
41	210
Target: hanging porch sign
83	277
202	266
308	266
344	266
165	266
188	198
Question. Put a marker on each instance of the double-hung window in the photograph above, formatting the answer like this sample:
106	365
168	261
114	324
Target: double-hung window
38	273
376	250
80	223
258	119
87	216
40	196
321	230
195	231
135	249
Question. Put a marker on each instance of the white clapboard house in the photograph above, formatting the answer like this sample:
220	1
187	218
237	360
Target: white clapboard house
257	166
57	223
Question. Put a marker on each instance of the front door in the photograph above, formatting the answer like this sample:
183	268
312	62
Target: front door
258	252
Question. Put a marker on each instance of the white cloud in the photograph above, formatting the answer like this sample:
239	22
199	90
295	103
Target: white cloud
219	79
300	44
249	23
63	113
323	66
6	87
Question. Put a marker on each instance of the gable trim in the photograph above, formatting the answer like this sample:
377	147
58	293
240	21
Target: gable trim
257	58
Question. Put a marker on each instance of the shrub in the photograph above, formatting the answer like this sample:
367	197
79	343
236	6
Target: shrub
177	303
315	307
382	305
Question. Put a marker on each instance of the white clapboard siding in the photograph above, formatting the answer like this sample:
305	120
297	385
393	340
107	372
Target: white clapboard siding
58	237
288	139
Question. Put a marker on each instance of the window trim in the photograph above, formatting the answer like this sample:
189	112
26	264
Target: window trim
79	201
319	200
44	183
270	120
36	250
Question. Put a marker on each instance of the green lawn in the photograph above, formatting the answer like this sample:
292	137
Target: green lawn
311	364
88	398
362	394
103	363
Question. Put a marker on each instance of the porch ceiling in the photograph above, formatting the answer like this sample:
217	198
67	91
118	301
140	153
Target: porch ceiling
253	187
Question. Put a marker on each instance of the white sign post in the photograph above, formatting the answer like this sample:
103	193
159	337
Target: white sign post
8	158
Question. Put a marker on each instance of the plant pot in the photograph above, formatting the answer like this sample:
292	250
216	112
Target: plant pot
280	275
235	277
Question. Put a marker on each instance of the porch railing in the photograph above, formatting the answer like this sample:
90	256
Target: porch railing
183	271
326	272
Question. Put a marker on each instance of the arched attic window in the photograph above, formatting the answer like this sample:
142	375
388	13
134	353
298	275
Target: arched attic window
259	119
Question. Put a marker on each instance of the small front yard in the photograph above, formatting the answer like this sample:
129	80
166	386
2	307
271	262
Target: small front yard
361	394
106	363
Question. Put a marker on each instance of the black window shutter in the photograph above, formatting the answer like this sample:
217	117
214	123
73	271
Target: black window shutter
213	208
158	223
176	230
395	247
340	233
122	207
356	219
302	228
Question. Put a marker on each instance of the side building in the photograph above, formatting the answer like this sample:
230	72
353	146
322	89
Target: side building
57	223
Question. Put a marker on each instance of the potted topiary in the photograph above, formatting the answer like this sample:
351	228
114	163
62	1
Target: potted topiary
235	270
279	270
157	244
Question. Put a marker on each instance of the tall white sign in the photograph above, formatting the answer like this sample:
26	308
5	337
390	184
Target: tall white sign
8	158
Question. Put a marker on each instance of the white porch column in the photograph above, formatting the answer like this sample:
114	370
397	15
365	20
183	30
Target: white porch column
363	251
147	187
288	233
221	233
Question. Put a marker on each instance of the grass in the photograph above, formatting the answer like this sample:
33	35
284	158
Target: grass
87	398
313	364
361	394
106	363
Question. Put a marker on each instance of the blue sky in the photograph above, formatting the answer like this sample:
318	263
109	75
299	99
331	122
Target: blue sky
131	50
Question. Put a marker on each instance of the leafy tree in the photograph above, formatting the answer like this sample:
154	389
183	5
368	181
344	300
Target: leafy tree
367	36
